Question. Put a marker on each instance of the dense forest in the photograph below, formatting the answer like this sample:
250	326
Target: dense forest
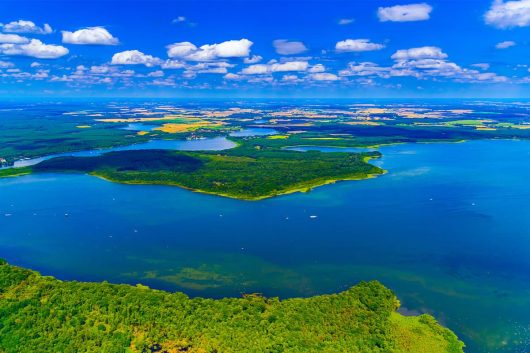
42	314
251	171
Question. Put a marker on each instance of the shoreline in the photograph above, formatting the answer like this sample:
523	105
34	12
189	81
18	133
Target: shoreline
295	189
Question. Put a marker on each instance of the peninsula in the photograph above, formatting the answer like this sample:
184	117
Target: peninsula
41	313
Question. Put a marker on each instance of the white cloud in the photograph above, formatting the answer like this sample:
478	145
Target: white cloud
134	57
290	78
231	76
419	53
482	66
364	69
290	66
317	68
405	13
324	76
173	64
22	26
179	19
219	67
262	69
257	69
209	52
505	44
253	60
508	14
12	39
345	21
99	70
35	48
357	45
180	50
417	64
6	64
35	64
158	73
90	36
285	47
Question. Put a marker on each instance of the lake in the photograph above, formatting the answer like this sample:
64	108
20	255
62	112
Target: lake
448	229
206	144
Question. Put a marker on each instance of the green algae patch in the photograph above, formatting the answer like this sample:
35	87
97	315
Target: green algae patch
44	314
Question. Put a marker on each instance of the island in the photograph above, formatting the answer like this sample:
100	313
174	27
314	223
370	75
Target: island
254	170
43	314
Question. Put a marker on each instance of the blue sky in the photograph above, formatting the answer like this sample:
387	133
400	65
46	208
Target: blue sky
265	48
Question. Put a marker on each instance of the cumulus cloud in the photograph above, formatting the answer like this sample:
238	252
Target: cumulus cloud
422	63
405	13
35	48
179	19
289	66
6	64
218	67
158	73
482	66
357	45
173	64
257	69
317	68
419	53
99	70
209	52
366	68
90	36
253	60
505	44
232	77
345	21
290	78
324	76
134	57
22	26
285	47
12	39
508	14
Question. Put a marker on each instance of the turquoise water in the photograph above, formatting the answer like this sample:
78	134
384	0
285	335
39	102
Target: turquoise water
207	144
448	229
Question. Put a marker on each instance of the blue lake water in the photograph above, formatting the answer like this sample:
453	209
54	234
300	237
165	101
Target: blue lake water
448	229
254	131
207	144
139	127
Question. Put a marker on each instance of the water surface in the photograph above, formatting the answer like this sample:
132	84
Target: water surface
254	131
207	144
448	229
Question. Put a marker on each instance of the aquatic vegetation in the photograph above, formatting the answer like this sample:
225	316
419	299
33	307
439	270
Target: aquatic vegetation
44	314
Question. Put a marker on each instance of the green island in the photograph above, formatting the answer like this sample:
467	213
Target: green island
254	170
42	314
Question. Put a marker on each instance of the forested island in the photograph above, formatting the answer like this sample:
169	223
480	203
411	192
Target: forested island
43	314
254	170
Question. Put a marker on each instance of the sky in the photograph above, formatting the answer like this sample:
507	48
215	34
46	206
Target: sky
256	48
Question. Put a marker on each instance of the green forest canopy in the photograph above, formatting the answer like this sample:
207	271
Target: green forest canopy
43	314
